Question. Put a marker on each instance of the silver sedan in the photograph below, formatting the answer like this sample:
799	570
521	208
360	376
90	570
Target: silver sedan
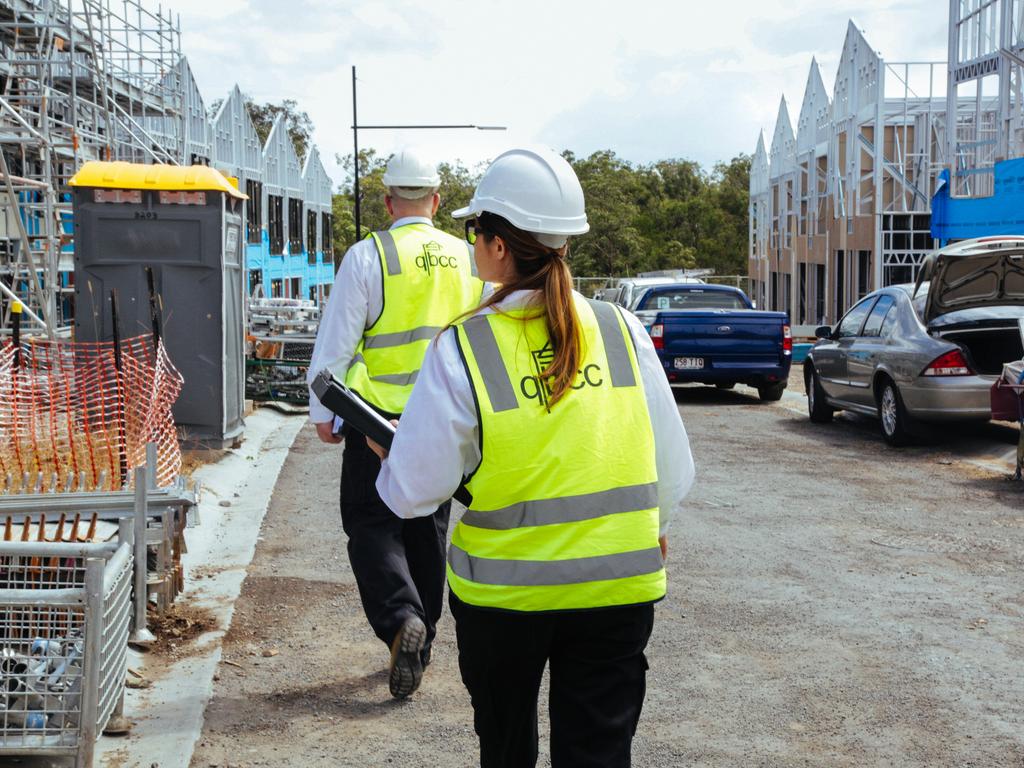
929	351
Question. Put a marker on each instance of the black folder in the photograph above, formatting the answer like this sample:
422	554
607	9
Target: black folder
356	412
359	415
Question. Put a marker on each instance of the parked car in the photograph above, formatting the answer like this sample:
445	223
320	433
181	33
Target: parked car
711	334
631	288
928	351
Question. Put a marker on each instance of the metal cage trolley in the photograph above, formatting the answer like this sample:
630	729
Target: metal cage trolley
65	613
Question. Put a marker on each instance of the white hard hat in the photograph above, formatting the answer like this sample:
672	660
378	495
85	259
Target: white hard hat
409	167
536	190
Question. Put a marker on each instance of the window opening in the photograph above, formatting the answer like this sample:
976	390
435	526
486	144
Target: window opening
254	211
275	223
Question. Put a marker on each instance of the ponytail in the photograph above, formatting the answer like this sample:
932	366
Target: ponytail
563	328
540	268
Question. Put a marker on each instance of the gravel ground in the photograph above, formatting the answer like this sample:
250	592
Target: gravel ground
832	603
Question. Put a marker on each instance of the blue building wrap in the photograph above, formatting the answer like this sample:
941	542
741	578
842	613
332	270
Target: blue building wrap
965	218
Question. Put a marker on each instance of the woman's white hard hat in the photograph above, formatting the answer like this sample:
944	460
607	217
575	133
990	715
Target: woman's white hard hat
410	167
536	190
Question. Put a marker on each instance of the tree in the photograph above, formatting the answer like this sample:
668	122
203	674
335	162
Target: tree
613	246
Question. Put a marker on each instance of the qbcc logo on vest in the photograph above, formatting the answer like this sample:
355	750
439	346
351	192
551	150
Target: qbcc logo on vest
536	388
433	258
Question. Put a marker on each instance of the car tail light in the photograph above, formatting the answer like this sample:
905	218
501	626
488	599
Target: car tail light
953	363
658	335
787	340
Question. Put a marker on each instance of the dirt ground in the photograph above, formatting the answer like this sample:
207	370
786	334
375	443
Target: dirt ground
832	602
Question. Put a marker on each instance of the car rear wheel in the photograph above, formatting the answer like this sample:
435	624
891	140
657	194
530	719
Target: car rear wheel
895	427
817	407
725	384
769	393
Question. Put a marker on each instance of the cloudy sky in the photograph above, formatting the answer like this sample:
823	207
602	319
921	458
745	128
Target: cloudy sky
649	80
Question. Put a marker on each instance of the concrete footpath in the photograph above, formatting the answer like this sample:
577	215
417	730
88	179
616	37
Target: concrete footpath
168	715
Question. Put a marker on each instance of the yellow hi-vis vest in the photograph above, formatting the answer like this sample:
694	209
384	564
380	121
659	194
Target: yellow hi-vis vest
565	502
429	280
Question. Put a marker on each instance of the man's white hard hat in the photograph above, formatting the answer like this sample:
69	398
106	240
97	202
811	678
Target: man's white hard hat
410	167
536	190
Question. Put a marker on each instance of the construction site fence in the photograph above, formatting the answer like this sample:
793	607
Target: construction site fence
65	614
77	416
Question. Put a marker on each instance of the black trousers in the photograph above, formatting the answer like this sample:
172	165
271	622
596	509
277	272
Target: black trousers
598	682
399	565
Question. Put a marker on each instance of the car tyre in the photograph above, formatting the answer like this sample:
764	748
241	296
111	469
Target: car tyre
725	385
817	406
769	393
893	415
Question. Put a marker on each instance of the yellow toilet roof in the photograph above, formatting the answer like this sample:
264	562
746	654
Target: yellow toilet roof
122	175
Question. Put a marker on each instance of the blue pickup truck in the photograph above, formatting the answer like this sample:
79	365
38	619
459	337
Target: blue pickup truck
711	334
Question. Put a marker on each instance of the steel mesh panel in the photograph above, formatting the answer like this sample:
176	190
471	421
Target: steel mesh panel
77	416
41	651
116	621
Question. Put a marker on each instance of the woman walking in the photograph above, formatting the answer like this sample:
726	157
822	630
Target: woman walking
554	413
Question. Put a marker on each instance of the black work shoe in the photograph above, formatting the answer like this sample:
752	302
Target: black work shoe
425	656
406	670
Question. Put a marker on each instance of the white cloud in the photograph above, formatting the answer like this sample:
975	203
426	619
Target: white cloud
646	79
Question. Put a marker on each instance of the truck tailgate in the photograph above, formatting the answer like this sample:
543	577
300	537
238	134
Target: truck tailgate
724	338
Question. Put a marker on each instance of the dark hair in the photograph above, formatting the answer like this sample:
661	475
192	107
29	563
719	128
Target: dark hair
539	267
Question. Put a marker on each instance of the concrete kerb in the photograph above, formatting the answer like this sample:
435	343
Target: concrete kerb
168	716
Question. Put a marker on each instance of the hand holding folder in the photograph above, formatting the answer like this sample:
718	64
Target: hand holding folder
355	411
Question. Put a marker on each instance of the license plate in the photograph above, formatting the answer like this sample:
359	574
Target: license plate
689	363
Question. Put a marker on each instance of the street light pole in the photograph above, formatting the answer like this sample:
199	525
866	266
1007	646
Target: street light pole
355	141
355	157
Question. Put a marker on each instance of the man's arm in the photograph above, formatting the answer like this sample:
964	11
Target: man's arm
357	286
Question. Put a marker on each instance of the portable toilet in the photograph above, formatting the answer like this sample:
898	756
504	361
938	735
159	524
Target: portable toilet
185	223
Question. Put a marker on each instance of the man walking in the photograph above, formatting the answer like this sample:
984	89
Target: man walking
394	292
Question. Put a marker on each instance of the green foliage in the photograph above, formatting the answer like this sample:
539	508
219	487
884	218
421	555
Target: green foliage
667	215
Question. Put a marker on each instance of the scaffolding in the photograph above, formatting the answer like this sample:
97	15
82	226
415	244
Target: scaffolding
985	91
79	80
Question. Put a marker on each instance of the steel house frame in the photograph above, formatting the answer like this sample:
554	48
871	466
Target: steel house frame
848	197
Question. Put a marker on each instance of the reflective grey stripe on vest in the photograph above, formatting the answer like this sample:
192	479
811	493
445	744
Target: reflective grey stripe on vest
492	367
614	344
472	259
387	244
566	509
401	379
540	573
398	338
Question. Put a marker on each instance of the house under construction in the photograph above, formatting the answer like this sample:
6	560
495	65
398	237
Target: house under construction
106	80
897	159
842	205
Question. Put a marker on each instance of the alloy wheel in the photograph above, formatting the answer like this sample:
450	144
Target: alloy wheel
889	409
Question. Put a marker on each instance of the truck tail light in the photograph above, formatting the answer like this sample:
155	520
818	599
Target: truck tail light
953	363
787	340
658	335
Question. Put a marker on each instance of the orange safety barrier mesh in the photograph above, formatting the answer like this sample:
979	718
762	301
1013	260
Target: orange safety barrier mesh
73	419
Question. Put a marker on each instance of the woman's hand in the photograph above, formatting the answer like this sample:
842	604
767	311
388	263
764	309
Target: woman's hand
663	543
380	450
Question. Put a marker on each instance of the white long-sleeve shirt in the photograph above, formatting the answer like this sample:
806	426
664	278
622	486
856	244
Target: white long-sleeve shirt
355	303
437	445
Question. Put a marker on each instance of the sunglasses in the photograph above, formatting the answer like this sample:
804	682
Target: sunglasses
474	230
